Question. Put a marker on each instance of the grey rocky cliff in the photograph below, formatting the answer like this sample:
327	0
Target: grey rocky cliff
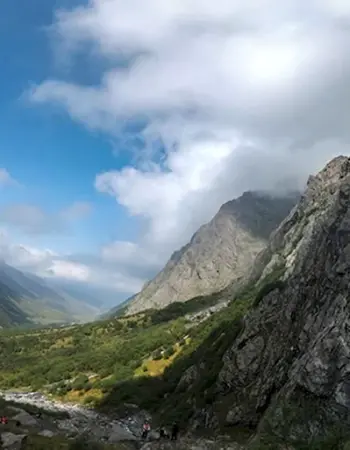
219	252
294	348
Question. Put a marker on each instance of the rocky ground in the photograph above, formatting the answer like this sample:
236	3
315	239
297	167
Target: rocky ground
32	414
38	423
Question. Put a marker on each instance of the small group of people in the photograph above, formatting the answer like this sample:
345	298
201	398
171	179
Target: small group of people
174	432
162	431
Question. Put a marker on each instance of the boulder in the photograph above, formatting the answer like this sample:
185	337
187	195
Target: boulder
10	439
26	419
118	433
153	435
47	433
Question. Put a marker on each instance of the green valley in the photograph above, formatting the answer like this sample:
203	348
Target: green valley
88	362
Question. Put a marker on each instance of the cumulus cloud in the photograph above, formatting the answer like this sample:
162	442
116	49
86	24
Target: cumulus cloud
66	269
32	219
237	95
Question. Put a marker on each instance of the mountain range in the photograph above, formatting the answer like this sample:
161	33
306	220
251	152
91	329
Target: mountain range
265	360
27	299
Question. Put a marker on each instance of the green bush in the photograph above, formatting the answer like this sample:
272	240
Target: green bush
168	352
88	387
90	400
80	383
157	355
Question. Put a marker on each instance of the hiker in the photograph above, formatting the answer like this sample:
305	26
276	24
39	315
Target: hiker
162	433
145	430
4	420
174	431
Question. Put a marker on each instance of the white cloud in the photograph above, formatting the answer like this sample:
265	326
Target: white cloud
94	273
77	211
104	277
6	179
164	198
242	94
128	254
68	270
32	219
27	257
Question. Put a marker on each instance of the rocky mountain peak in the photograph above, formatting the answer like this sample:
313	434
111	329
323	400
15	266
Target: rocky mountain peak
325	183
218	253
332	173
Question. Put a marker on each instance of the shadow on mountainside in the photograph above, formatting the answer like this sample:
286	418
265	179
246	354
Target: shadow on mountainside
260	213
185	386
188	385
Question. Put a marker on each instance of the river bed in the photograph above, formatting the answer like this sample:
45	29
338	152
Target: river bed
81	419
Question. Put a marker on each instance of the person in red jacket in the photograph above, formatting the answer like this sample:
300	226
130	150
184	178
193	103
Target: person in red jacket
145	430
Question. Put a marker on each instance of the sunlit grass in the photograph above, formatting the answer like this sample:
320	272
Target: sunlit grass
156	367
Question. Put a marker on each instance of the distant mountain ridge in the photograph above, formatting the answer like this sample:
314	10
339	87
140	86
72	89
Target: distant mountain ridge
26	299
117	310
220	252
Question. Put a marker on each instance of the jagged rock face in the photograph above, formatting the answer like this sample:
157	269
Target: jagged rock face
220	252
296	343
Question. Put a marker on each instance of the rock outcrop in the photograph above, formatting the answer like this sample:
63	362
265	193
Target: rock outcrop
220	252
292	357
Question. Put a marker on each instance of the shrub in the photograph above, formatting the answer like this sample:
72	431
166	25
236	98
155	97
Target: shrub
169	352
157	355
87	387
89	400
80	383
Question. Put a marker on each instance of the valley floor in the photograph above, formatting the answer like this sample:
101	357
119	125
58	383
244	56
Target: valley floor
46	424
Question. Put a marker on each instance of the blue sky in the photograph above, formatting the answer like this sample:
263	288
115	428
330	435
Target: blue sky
124	125
54	159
